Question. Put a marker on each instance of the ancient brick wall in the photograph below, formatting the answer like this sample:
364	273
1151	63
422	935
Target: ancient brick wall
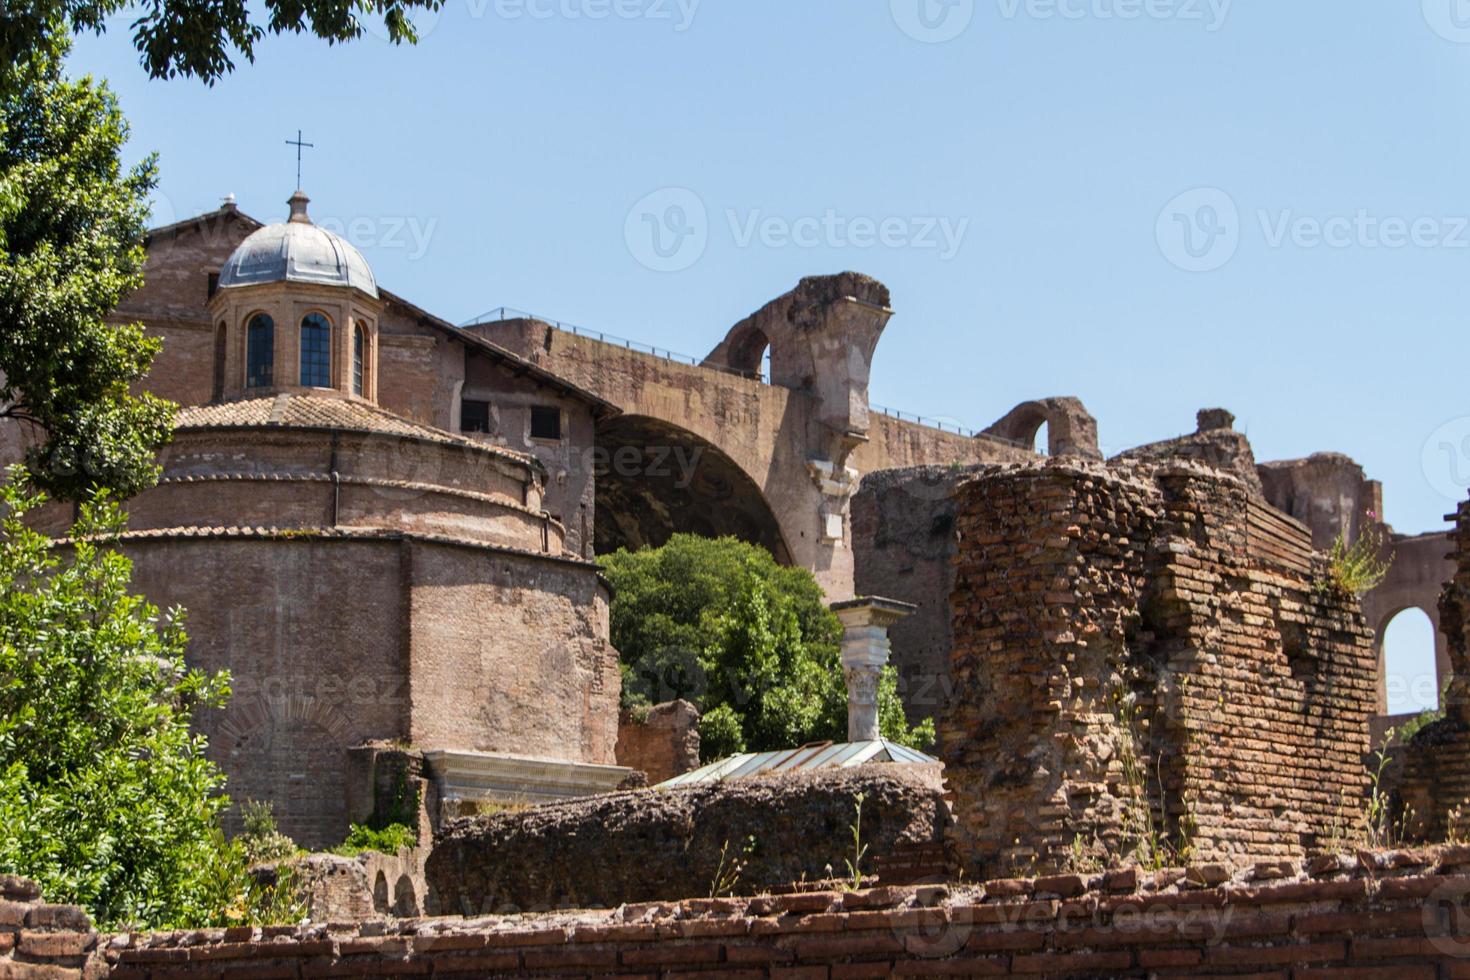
645	845
903	548
661	742
1145	652
41	940
1386	916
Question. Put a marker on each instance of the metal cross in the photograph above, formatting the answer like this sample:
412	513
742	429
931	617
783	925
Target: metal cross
298	144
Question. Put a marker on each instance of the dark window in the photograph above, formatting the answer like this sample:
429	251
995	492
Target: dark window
474	416
213	285
219	362
316	352
545	422
357	350
260	352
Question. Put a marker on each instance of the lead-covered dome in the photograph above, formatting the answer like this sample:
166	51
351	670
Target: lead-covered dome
297	251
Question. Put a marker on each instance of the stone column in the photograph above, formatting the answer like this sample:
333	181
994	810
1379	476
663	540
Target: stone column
865	647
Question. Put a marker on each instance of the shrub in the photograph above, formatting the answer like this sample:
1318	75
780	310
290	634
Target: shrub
261	841
106	797
750	643
387	839
1353	569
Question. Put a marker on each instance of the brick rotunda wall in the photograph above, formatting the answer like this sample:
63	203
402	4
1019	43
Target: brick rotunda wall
1146	650
1431	787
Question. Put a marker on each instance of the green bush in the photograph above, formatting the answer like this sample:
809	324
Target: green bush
750	643
106	797
387	839
261	841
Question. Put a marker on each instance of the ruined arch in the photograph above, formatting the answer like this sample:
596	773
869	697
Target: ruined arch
655	479
1070	428
742	350
1391	673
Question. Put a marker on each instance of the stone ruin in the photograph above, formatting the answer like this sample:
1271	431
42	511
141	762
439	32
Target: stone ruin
1429	785
1146	653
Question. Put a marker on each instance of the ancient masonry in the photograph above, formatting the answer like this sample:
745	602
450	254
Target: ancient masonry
1393	915
1432	790
1146	653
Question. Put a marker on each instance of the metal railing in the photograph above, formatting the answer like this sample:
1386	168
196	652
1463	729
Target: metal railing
501	313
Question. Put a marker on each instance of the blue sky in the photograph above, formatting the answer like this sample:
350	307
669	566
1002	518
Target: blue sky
1017	186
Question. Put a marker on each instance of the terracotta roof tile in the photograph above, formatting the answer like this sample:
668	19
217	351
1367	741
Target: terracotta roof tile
316	412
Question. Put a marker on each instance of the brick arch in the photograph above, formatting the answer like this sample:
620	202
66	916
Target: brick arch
1070	428
1418	573
656	479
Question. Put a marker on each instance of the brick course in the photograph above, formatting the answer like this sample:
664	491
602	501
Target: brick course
1343	922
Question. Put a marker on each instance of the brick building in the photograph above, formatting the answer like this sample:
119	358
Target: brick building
378	523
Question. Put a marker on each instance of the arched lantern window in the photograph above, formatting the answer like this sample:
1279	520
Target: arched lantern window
359	351
260	352
316	351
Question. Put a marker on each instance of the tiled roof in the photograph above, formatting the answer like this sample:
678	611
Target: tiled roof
316	412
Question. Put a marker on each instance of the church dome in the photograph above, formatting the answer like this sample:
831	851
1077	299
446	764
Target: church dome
297	251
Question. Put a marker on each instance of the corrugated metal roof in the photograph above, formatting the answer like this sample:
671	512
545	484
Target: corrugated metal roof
816	756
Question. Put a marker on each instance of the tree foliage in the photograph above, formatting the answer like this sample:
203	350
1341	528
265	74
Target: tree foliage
106	797
197	37
71	230
750	643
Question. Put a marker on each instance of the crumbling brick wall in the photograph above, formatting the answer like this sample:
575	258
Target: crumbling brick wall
1144	652
1430	786
661	741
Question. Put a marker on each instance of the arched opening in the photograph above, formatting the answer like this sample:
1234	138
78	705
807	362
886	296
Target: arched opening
1410	673
1041	441
405	902
220	347
316	351
380	893
745	350
260	352
655	479
359	346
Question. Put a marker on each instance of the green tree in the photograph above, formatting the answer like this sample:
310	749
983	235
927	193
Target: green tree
71	230
196	37
750	643
106	797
